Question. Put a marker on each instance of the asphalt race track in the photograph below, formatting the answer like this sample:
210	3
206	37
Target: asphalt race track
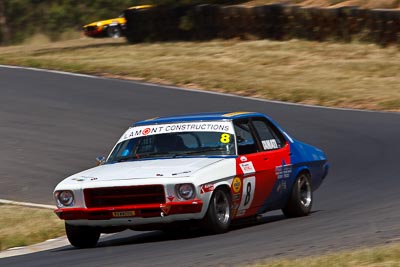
52	125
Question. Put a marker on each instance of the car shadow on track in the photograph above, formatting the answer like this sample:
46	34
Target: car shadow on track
129	237
187	233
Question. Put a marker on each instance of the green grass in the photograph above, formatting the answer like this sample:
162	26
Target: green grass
382	256
22	226
355	75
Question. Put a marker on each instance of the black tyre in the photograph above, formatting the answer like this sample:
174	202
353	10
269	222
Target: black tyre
114	31
219	214
301	199
82	236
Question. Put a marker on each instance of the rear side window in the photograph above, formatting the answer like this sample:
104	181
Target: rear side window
271	138
245	140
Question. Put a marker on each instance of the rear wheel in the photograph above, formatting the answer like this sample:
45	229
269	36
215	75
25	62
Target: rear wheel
82	236
219	214
301	199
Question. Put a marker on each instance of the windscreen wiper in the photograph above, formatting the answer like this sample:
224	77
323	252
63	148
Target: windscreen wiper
209	149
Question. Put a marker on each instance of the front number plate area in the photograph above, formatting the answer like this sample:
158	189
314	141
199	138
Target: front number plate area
118	214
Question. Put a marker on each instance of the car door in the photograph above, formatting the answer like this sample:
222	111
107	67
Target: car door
277	166
261	151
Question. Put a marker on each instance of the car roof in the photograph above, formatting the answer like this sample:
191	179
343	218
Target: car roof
207	116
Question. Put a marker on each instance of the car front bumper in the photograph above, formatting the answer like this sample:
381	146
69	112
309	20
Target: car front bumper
132	215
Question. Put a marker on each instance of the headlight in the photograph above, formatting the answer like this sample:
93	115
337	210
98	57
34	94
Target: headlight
98	24
185	191
64	198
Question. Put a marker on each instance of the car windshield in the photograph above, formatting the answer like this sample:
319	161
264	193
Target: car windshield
173	145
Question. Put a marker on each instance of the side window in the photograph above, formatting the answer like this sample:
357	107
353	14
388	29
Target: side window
245	140
270	136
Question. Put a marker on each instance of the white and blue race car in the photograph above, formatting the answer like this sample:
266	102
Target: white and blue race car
210	168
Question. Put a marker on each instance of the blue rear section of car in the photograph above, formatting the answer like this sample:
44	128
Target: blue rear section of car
305	157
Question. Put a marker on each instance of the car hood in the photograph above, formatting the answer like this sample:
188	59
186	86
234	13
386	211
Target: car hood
145	169
107	21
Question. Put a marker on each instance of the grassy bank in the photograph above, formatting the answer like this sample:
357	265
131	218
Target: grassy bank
22	226
331	74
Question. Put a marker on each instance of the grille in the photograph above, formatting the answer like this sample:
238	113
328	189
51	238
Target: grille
122	196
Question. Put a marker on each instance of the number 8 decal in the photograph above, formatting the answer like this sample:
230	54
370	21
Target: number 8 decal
225	138
248	194
249	186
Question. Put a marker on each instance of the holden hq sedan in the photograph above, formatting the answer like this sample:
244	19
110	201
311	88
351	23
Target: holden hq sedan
201	169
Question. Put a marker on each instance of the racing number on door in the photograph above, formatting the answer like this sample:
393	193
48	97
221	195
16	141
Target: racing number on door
249	186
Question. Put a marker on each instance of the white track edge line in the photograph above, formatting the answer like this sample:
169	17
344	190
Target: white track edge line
26	204
198	90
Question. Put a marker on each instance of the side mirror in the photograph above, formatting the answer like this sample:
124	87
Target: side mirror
101	160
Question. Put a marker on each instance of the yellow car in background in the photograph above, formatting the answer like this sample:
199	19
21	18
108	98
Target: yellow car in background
114	28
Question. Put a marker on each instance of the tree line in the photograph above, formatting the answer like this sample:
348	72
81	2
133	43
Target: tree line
21	19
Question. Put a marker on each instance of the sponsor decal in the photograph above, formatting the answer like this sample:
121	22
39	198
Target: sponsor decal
247	167
235	207
84	178
146	131
236	197
217	126
205	188
284	171
78	179
269	144
170	198
178	173
236	185
165	209
243	158
90	178
281	186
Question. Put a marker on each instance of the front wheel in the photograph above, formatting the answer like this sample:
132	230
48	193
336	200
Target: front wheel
82	236
114	31
301	199
219	214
